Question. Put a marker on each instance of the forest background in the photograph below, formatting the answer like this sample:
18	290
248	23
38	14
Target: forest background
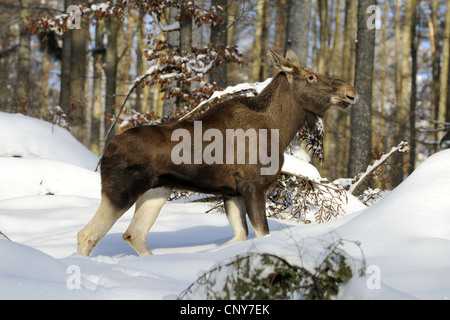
74	62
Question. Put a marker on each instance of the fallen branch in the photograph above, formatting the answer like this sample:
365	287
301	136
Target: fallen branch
401	147
4	235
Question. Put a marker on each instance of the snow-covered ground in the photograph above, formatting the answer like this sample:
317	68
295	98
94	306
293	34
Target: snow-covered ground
49	191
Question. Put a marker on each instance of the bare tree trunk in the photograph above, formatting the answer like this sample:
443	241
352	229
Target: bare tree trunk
97	143
413	103
64	91
445	67
383	95
141	92
77	75
348	58
257	41
361	114
260	63
324	37
173	38
435	66
112	25
280	26
22	88
219	40
297	30
332	135
232	16
157	94
398	69
402	110
444	102
185	32
337	40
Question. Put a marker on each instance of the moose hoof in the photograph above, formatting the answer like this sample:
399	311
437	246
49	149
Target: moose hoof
234	240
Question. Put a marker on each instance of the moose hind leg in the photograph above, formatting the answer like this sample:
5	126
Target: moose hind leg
255	204
106	215
235	210
148	207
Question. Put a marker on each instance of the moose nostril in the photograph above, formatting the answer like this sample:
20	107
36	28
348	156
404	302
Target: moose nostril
352	98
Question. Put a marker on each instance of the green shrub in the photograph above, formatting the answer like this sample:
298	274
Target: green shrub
262	276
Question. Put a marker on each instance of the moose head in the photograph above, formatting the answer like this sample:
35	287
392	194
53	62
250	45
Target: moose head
314	91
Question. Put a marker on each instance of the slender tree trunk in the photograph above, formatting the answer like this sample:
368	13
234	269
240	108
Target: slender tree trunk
98	125
337	47
410	7
280	26
44	86
435	66
348	58
77	75
297	29
264	69
445	67
22	87
64	91
445	144
332	135
173	38
157	95
219	40
402	110
383	100
256	66
142	93
260	62
112	25
232	17
398	69
185	32
413	103
361	114
322	66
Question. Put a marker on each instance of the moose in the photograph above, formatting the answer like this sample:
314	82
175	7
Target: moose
137	166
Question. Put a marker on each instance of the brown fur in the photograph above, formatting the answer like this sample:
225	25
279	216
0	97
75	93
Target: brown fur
140	158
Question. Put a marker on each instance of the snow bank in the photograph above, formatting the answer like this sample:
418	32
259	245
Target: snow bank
26	137
30	177
48	195
407	234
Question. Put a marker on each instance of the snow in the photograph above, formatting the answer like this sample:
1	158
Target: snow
49	191
172	27
27	137
257	87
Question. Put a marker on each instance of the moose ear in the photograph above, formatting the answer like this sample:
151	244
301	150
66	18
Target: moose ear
292	57
279	62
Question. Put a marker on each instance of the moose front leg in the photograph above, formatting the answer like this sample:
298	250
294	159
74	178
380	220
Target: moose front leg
235	210
255	204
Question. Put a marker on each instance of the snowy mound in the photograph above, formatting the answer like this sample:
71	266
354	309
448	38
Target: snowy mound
48	194
40	177
407	234
26	137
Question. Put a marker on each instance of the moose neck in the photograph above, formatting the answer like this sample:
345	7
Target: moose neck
283	111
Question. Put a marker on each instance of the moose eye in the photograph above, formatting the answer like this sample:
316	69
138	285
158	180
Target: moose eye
312	78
